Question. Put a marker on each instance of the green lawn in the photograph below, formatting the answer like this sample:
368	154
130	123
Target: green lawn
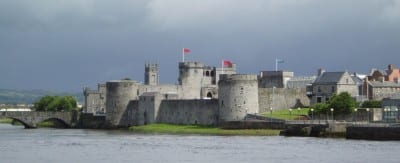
5	120
285	114
201	130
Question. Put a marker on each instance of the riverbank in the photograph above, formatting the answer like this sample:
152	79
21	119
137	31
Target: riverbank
6	120
45	124
201	130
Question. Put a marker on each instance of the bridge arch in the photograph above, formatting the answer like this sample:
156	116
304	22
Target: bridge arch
59	123
26	124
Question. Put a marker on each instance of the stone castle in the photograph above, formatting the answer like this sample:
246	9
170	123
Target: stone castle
205	95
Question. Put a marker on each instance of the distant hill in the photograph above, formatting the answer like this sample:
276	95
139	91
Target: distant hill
9	96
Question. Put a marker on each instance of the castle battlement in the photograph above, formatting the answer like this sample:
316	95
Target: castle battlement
191	65
227	77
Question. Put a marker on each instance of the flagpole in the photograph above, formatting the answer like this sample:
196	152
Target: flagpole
276	64
183	54
222	66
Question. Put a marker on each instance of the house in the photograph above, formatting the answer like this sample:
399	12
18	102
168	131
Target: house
380	85
329	83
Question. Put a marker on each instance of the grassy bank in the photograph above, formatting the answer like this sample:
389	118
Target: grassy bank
286	114
47	124
6	120
202	130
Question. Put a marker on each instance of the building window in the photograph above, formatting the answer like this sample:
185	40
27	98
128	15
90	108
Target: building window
333	89
319	89
319	99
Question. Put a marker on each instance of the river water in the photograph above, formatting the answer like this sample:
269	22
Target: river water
93	146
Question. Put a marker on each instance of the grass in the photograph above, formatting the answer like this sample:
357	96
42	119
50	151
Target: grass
6	120
201	130
285	114
47	124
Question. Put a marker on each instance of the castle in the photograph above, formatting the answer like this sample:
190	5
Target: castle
205	95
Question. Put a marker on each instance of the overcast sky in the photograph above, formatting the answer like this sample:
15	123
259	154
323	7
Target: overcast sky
69	44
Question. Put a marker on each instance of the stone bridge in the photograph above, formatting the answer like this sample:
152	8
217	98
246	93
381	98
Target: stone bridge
30	119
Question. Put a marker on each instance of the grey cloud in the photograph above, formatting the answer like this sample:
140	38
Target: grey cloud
82	42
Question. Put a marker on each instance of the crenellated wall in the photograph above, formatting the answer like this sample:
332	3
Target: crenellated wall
203	112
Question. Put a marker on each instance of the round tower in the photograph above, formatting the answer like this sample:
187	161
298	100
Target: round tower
238	96
119	94
191	78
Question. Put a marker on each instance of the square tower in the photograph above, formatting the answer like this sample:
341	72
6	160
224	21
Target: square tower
151	76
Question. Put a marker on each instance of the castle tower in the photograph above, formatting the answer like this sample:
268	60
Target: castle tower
238	96
119	94
191	78
151	76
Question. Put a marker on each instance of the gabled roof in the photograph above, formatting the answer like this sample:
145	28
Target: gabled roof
329	77
357	79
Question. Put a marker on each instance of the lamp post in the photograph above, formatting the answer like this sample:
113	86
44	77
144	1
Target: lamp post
396	113
355	110
332	113
298	112
384	114
290	114
270	110
367	114
312	115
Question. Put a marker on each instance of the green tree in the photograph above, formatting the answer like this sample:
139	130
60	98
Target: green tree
56	103
342	103
371	104
42	104
66	103
320	108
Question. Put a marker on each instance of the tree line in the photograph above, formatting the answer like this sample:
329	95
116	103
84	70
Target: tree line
56	103
343	104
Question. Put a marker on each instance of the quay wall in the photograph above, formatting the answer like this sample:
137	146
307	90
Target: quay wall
373	133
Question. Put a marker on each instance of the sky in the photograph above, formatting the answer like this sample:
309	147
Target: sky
66	45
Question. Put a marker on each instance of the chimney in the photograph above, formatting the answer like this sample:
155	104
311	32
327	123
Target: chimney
321	71
390	67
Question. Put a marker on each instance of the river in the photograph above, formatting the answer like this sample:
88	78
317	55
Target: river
92	146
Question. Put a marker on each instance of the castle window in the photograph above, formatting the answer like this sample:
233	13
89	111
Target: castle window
209	95
212	73
333	89
241	90
207	73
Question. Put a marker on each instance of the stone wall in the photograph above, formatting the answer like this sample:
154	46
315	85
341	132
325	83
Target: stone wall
90	121
283	98
373	133
203	112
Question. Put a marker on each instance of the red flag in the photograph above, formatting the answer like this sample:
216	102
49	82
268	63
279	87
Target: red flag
186	50
228	63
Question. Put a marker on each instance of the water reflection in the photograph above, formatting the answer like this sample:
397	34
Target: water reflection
71	145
